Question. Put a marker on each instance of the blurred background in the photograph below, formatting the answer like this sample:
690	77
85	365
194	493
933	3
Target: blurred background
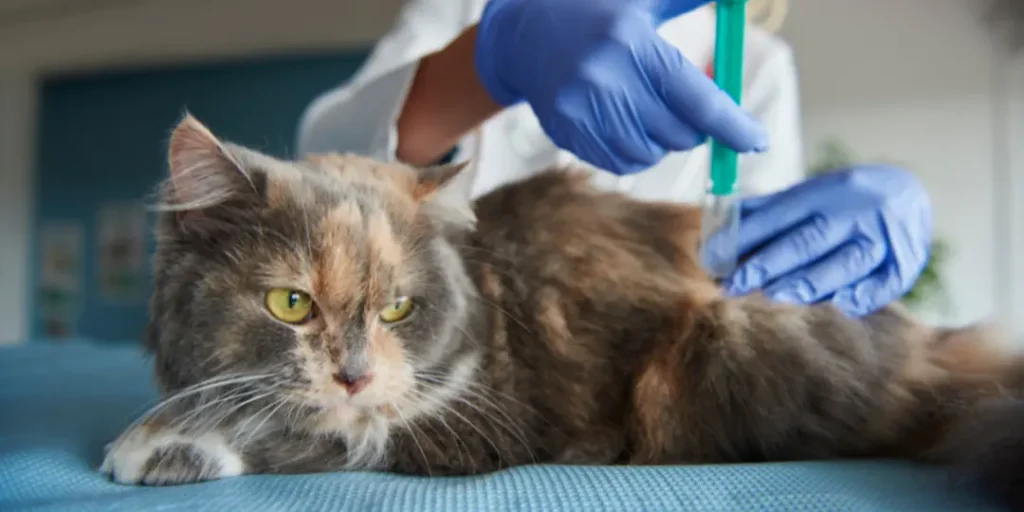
89	90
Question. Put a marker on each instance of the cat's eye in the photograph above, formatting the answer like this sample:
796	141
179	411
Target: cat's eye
397	310
289	306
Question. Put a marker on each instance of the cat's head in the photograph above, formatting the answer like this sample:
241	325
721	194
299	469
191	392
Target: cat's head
331	283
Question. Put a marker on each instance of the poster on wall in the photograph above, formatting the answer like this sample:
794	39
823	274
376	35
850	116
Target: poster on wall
121	246
60	278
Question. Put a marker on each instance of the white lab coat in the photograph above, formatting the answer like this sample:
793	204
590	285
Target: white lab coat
360	116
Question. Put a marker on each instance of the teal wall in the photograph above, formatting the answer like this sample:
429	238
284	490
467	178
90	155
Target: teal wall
103	137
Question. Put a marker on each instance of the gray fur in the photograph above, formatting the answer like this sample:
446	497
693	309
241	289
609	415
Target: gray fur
562	324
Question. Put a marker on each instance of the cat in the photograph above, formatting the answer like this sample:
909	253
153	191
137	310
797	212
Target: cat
343	313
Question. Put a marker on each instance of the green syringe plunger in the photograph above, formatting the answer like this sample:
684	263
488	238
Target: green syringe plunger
731	19
721	206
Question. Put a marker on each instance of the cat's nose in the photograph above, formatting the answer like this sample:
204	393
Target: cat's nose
353	383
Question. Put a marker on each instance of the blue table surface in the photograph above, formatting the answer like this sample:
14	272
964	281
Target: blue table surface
60	404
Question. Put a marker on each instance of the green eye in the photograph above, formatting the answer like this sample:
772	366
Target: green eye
289	306
396	311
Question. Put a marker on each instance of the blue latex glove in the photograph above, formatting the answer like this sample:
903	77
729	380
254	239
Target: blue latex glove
603	84
859	237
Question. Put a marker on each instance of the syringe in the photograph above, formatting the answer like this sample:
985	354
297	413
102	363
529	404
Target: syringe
720	215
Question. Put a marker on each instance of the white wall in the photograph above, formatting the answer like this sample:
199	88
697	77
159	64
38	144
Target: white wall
1015	140
904	79
913	80
175	30
17	121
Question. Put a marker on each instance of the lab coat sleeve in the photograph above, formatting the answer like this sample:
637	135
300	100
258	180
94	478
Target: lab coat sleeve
360	116
774	98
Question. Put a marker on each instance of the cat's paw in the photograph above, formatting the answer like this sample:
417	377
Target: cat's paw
152	456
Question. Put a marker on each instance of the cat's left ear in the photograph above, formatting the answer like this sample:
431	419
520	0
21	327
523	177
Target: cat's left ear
203	171
437	189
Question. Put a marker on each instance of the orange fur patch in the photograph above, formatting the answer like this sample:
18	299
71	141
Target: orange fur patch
659	400
387	361
655	394
980	350
551	319
352	167
383	347
337	277
278	193
384	245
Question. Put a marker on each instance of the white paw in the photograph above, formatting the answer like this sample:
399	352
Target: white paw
153	456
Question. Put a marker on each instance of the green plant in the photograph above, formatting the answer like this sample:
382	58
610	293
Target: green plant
930	286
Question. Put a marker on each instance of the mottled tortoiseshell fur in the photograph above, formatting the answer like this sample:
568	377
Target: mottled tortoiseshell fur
553	323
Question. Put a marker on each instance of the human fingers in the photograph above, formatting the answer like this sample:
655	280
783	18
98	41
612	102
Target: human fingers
883	286
697	101
791	250
850	263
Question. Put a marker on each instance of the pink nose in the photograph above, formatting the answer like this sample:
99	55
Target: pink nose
353	383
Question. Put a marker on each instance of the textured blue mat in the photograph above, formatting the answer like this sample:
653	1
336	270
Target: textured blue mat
59	405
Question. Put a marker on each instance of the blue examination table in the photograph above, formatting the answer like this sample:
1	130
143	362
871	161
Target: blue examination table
61	403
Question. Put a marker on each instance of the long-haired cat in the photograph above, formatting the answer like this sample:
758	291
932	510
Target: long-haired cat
344	313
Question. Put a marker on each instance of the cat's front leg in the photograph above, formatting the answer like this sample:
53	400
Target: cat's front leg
154	454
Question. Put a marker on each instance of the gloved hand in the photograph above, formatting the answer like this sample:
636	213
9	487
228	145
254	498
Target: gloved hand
603	84
859	237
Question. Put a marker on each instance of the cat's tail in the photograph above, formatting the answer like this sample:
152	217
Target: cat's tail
987	452
984	445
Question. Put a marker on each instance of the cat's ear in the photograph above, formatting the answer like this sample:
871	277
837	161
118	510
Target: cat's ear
437	189
433	179
203	172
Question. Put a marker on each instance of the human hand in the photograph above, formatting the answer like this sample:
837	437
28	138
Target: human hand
858	237
603	84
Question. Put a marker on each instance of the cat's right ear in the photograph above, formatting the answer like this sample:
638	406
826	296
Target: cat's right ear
448	204
203	173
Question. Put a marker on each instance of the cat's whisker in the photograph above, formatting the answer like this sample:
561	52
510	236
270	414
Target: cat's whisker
500	309
448	408
506	272
483	250
470	386
498	393
295	409
237	407
241	428
441	378
310	447
222	380
410	427
508	424
493	306
460	444
198	388
256	431
412	423
309	236
504	312
229	397
462	448
456	326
